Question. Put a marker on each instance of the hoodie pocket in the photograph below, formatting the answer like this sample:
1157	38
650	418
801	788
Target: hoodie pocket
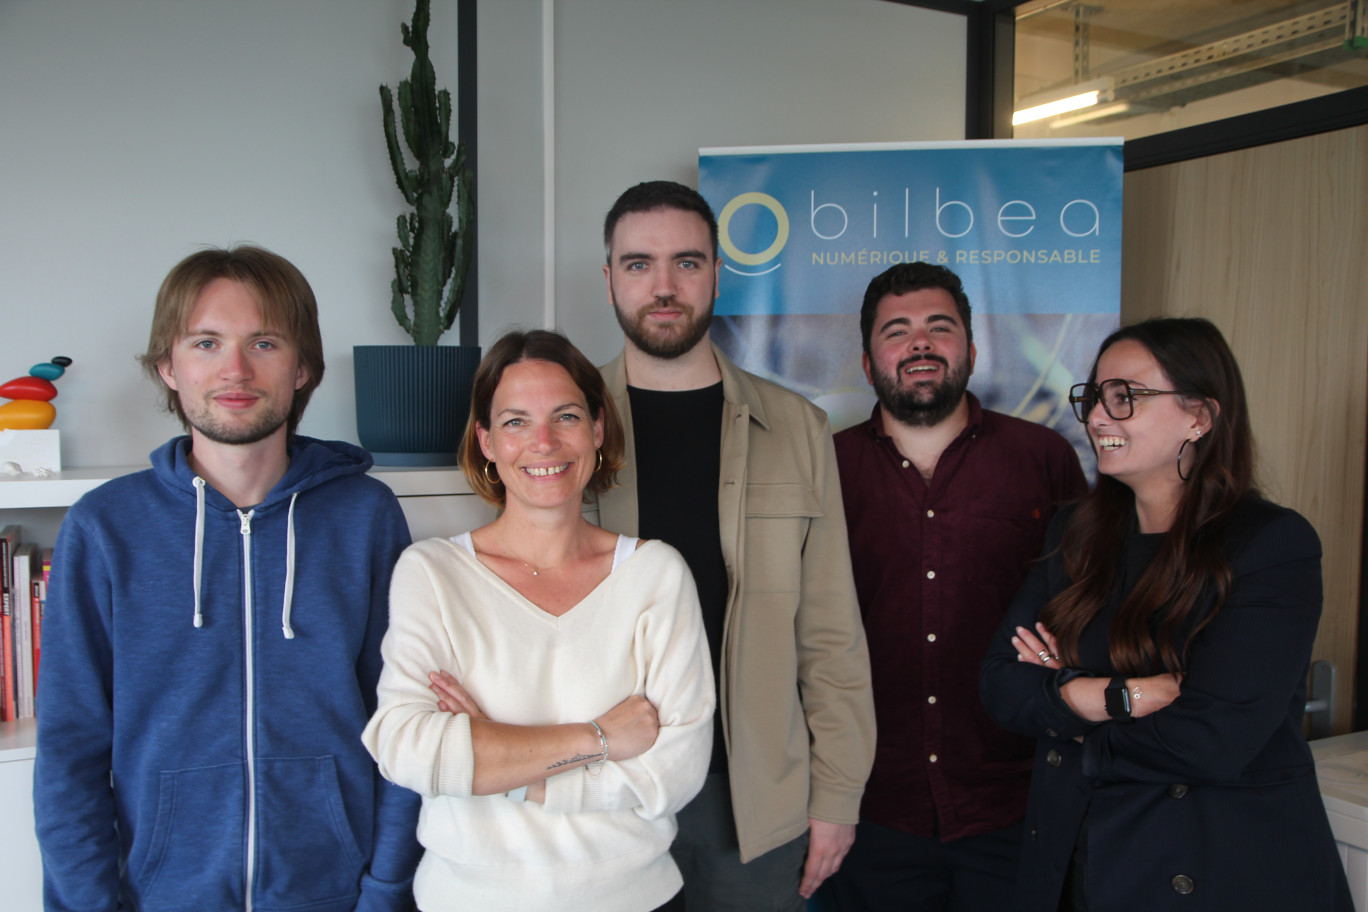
194	856
307	852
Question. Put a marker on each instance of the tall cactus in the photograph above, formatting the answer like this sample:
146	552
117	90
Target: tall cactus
433	255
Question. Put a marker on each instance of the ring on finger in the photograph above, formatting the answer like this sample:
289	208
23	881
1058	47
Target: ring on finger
1044	656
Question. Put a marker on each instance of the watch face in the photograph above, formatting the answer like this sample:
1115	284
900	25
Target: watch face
1118	699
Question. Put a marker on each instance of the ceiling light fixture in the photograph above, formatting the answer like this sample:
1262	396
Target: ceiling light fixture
1063	105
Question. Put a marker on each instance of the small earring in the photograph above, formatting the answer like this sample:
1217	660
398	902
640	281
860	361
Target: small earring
496	480
600	460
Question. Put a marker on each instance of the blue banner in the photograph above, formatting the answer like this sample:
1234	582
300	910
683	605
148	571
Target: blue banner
1033	229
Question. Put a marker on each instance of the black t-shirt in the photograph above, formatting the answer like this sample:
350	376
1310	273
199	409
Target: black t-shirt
678	440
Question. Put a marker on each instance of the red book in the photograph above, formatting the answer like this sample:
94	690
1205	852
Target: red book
9	541
6	665
36	606
39	607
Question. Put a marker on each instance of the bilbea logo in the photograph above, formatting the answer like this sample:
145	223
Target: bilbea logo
753	260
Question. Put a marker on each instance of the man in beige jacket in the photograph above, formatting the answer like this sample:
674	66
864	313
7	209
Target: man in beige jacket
739	474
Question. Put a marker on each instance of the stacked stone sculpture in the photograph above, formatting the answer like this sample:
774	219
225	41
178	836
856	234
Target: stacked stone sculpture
31	408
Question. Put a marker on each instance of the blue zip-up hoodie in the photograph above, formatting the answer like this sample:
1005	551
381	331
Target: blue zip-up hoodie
217	667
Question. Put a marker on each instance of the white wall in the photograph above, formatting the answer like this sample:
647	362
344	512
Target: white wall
134	131
638	95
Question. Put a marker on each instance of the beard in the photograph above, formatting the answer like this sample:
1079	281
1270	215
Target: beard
664	342
271	418
920	405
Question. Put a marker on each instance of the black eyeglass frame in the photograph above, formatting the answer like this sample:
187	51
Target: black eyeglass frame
1079	397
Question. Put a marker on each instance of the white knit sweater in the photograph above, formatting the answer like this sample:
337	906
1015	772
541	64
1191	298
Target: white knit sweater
602	839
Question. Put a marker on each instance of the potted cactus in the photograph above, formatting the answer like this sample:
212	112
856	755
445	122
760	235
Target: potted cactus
412	401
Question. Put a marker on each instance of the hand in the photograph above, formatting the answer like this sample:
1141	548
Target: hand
1153	693
630	728
452	697
1038	647
828	844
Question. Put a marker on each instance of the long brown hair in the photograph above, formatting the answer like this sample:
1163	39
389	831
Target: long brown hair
1157	619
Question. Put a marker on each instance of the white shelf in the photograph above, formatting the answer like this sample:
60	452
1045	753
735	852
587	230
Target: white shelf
60	490
18	740
423	482
66	487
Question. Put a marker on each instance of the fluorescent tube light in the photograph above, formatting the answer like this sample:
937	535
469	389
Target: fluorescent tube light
1072	103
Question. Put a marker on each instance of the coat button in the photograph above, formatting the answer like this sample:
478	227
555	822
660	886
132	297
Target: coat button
1177	791
1182	884
1053	758
1052	733
1033	834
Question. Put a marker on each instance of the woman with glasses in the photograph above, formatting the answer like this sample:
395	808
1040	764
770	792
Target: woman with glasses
1159	652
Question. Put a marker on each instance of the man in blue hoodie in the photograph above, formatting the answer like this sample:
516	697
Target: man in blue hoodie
212	638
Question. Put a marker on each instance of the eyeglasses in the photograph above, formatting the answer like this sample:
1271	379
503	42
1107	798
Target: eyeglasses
1117	397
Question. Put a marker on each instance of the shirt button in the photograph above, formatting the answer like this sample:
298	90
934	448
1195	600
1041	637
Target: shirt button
1053	758
934	758
1052	733
930	638
930	574
1183	884
1177	791
906	463
930	699
930	513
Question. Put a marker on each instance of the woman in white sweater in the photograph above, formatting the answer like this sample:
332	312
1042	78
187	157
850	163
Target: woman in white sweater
547	687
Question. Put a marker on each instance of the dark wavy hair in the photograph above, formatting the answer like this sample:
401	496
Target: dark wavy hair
1156	621
553	347
658	194
906	277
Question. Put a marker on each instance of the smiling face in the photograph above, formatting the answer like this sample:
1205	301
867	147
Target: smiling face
236	378
920	358
662	280
541	437
1142	451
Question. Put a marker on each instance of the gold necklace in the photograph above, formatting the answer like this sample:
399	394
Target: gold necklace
531	569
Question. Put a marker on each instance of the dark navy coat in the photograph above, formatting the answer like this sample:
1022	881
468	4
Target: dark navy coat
1210	803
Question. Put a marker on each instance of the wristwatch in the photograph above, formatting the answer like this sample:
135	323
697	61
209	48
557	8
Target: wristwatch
1119	700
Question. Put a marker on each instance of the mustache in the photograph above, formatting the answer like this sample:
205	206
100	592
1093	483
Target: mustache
905	363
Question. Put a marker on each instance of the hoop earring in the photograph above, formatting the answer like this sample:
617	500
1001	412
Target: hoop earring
1182	447
496	480
600	460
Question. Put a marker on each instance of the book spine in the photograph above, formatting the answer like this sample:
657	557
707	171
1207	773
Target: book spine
39	602
22	619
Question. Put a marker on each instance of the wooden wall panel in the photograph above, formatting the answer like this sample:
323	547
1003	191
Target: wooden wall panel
1271	244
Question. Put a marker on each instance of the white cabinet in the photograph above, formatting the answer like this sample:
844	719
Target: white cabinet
21	872
436	502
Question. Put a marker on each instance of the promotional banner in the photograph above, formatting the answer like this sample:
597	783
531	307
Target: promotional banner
1033	229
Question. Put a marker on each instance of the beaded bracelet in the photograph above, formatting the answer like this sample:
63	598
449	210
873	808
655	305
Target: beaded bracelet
603	740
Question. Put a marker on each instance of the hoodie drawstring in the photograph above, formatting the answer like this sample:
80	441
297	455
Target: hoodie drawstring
289	559
199	546
289	570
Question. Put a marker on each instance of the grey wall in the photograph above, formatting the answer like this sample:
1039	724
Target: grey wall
135	131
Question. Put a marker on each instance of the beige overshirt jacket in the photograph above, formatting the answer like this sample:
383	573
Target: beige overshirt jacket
797	709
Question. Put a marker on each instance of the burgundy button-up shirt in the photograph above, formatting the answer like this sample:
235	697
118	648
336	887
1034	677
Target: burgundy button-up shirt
936	566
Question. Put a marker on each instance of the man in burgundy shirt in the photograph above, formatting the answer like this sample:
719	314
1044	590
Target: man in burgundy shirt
946	505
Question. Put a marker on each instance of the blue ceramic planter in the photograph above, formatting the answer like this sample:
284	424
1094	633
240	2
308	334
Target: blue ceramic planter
412	401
